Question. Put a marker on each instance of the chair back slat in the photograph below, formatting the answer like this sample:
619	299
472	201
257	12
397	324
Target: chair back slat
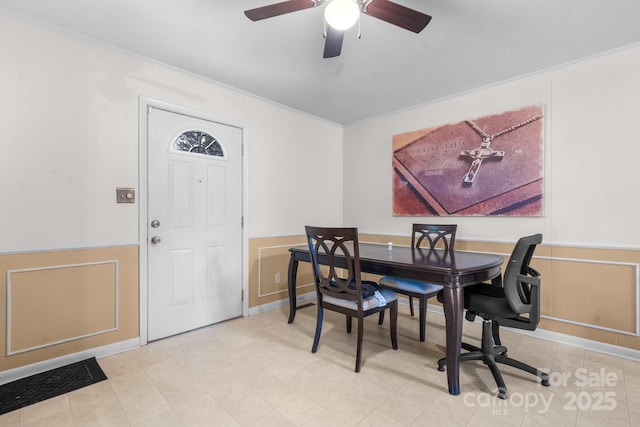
434	236
336	248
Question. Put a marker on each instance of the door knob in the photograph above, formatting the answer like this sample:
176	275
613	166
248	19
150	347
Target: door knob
155	240
155	223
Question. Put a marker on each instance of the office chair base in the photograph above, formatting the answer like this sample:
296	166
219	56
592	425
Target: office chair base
491	355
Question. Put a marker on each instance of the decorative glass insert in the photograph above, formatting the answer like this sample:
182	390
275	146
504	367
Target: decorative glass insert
198	142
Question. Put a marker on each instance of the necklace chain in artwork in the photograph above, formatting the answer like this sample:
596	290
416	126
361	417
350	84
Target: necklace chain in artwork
485	151
486	136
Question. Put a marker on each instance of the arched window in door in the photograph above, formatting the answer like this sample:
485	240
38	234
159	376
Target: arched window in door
198	142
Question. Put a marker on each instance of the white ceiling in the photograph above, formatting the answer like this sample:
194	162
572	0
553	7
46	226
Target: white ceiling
468	44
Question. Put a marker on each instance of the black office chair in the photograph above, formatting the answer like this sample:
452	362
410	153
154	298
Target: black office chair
334	249
424	236
514	302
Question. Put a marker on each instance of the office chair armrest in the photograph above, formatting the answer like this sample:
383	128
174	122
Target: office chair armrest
533	297
527	316
532	272
496	281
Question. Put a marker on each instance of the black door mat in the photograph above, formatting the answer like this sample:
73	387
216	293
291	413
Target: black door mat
43	386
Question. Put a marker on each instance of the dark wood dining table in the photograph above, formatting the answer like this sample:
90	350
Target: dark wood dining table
452	269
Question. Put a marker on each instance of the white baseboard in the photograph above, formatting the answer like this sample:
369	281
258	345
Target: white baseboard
308	297
36	368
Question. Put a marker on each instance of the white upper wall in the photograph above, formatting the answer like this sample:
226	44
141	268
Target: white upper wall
592	147
69	121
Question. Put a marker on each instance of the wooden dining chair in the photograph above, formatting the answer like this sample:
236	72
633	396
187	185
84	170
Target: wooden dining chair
425	237
335	261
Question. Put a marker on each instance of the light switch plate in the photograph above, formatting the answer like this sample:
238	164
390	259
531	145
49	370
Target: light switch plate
125	195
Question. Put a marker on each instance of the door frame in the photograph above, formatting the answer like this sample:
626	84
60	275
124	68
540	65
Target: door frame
143	104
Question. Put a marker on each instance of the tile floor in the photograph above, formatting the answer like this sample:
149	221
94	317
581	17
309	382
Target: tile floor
259	371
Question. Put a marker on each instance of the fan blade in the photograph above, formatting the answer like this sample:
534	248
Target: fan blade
281	8
397	14
333	42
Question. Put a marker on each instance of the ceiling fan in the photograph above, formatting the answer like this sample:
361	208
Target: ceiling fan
385	10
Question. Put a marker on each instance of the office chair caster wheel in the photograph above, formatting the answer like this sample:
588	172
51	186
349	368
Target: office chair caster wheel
502	393
440	368
545	383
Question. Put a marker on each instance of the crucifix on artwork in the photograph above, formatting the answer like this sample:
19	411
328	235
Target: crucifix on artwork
484	151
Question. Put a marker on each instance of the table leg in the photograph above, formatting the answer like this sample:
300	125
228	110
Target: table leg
291	284
453	311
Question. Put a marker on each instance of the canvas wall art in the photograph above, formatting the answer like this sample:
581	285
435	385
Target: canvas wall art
490	165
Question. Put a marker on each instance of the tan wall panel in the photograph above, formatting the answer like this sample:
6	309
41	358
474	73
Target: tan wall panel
598	335
544	268
91	305
273	261
584	290
268	256
565	276
603	289
581	301
560	327
62	303
396	240
628	341
626	299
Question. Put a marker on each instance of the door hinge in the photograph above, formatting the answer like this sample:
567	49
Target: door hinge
241	222
242	295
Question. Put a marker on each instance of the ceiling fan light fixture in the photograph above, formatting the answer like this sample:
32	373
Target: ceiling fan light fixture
342	14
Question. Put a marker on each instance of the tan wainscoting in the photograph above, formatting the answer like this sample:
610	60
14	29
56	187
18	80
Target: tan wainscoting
589	293
63	302
268	257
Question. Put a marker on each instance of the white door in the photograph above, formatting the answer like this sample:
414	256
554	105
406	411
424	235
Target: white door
194	223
